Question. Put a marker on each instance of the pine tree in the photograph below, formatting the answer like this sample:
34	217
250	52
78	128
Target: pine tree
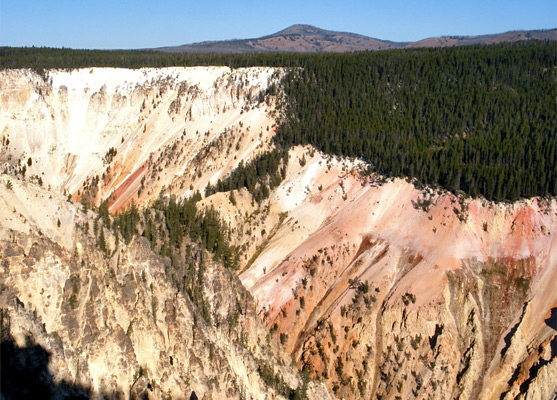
102	241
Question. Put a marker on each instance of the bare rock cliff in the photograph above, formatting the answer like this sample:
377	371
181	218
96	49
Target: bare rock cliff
121	135
115	325
376	287
381	289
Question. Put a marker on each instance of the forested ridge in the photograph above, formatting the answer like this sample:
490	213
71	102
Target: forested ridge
480	120
168	222
477	119
259	176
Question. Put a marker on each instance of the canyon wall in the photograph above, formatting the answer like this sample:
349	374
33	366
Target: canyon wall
107	133
379	287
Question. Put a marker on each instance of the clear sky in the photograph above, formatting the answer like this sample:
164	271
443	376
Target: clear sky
125	24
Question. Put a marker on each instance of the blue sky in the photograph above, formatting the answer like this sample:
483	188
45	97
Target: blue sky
110	24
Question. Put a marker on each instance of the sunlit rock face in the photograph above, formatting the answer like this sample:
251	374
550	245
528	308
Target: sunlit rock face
379	288
374	286
97	132
114	324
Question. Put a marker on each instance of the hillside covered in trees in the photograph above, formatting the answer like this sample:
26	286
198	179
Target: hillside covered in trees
477	119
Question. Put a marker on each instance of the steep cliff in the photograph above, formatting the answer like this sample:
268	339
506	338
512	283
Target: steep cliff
129	134
115	324
385	290
373	285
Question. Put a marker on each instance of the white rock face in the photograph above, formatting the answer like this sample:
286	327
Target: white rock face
62	126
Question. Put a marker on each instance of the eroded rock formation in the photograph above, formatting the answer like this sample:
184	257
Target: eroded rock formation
377	287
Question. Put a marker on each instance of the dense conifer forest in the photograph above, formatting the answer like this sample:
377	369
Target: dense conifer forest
259	176
481	120
168	222
477	119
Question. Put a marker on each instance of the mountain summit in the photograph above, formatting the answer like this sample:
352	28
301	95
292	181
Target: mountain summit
294	39
310	30
300	29
302	38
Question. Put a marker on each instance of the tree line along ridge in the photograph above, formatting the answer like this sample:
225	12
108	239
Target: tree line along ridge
476	119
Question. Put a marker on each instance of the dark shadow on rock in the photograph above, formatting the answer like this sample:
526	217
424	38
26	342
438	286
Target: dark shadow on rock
552	320
25	375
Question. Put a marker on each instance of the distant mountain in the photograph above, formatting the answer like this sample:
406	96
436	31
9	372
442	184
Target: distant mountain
512	36
309	39
295	39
